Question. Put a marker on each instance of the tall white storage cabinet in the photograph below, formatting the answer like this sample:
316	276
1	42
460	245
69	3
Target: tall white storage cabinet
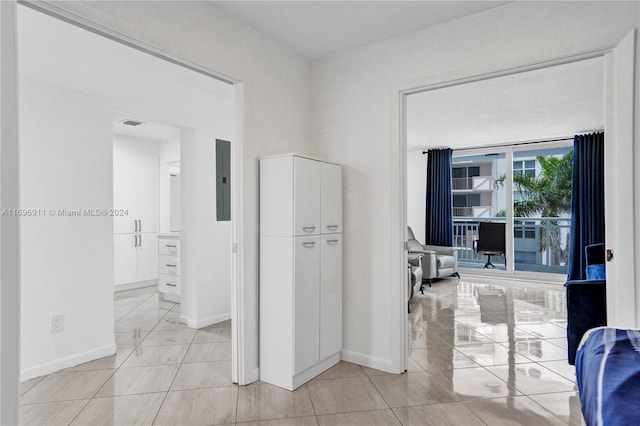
135	188
300	268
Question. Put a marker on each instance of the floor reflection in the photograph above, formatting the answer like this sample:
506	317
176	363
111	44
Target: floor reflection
500	348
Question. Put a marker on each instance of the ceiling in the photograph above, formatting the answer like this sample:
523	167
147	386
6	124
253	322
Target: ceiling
550	102
61	55
316	29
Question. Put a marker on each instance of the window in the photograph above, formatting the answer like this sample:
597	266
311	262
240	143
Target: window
525	168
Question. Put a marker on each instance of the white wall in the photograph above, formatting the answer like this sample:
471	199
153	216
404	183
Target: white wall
275	101
416	193
66	262
353	97
206	259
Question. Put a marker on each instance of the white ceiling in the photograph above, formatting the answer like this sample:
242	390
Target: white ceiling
541	104
61	55
320	28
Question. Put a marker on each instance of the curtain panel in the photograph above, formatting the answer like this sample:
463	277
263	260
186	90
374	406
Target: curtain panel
439	200
587	201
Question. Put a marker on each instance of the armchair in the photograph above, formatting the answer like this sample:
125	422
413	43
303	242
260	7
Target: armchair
437	261
414	274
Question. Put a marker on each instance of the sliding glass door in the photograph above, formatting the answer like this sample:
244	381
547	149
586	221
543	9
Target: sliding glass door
478	196
525	187
541	209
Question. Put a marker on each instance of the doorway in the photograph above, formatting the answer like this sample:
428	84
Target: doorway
182	99
618	61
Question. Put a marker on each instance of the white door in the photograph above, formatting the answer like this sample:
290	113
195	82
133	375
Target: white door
124	188
306	196
147	192
330	294
147	256
125	258
331	199
306	303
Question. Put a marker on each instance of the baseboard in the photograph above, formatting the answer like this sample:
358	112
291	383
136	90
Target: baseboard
170	297
208	321
133	286
367	361
251	376
66	362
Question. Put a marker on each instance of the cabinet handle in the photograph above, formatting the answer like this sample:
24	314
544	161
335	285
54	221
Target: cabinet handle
135	241
170	266
332	242
140	241
170	245
140	226
170	285
135	225
308	228
332	227
309	244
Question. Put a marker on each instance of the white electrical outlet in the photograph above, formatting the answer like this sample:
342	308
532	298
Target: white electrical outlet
57	323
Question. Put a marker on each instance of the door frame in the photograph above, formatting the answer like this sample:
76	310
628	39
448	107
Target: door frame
619	125
9	242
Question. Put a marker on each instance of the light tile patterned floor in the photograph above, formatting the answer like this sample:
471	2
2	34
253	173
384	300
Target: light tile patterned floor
479	354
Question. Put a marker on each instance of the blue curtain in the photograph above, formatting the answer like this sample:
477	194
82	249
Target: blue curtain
439	217
587	200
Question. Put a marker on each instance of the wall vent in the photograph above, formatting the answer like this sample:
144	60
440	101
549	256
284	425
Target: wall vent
133	123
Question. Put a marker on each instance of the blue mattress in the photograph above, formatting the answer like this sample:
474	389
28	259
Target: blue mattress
608	373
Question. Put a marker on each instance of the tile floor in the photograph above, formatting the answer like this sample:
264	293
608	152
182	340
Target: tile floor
479	354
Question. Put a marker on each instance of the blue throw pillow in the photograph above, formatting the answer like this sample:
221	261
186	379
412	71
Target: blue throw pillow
596	272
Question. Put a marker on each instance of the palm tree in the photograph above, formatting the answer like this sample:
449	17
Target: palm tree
546	195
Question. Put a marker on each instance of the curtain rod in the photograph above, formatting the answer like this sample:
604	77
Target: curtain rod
567	138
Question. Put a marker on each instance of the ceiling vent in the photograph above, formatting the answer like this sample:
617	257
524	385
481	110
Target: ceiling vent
133	123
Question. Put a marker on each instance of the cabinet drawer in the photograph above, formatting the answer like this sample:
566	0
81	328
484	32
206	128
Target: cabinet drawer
169	246
169	265
169	284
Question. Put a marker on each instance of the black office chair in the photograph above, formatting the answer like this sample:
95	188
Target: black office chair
491	241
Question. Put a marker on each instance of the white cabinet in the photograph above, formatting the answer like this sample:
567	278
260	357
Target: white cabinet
135	190
331	199
135	258
168	262
330	294
300	268
306	196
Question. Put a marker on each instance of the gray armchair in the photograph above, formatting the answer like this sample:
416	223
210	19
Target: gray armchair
437	261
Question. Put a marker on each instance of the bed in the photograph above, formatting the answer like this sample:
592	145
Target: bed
608	374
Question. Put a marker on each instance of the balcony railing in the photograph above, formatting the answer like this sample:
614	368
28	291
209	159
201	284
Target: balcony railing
540	244
473	211
475	183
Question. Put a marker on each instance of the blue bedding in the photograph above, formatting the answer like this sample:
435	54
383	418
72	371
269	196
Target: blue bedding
608	373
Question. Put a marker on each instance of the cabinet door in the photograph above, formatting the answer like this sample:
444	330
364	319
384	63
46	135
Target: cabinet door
330	294
147	256
124	188
331	199
306	299
306	193
125	269
147	192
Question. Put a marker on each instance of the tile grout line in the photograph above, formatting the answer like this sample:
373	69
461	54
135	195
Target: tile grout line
174	376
